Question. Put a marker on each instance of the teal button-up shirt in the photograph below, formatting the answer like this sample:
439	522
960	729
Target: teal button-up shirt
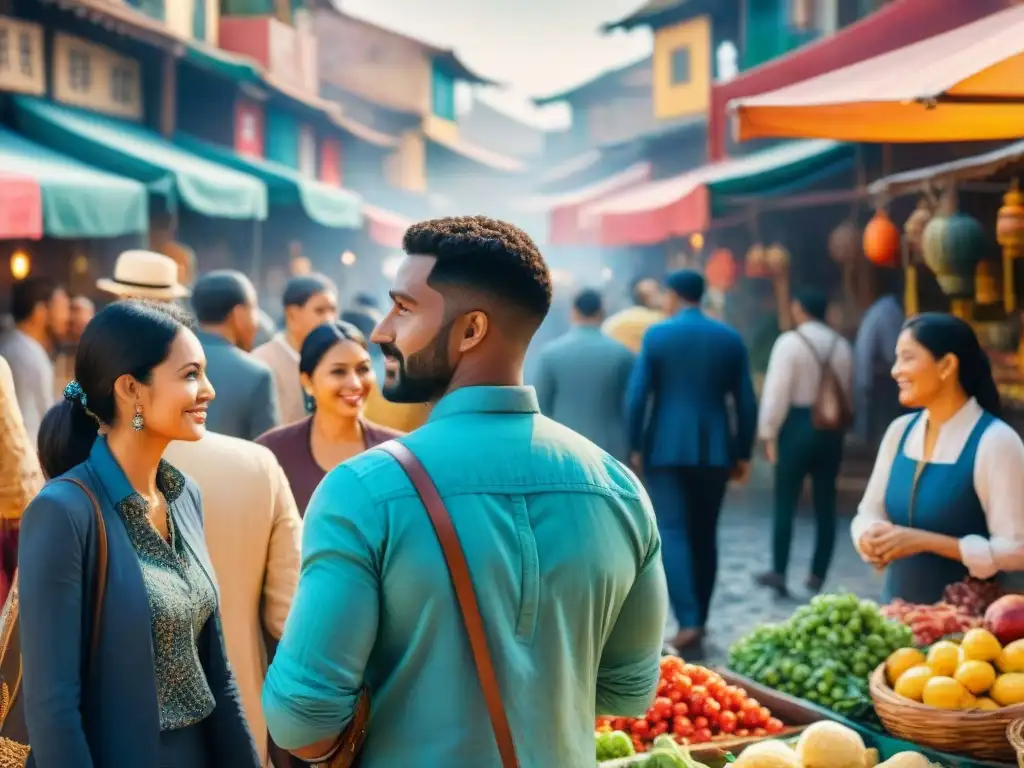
565	557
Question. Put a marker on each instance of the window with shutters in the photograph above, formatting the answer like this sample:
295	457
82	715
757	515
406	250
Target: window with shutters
681	72
21	57
79	70
122	85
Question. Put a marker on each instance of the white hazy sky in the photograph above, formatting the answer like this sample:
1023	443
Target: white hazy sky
534	47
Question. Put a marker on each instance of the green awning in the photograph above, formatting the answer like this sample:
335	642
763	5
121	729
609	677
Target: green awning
324	204
133	151
78	201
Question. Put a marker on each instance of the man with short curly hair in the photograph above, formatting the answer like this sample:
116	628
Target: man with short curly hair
560	539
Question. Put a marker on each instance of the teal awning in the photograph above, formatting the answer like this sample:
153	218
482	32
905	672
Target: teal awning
78	201
133	151
324	204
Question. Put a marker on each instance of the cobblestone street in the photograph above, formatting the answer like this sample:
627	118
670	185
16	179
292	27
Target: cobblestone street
744	551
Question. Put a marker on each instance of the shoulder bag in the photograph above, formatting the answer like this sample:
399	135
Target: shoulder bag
352	739
14	746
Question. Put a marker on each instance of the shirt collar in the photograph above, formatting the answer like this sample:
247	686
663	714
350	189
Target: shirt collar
281	339
168	479
486	400
967	416
208	337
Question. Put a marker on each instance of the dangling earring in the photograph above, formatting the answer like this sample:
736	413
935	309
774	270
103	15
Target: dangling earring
137	422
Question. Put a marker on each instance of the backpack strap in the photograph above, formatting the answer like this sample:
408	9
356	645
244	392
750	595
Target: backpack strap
464	594
827	359
100	575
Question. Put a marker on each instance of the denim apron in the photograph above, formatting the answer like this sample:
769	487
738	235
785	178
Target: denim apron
941	499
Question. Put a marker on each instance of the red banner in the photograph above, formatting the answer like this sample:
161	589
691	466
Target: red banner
21	208
330	162
248	128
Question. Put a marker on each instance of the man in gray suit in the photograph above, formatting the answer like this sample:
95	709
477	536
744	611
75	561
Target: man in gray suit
246	403
582	376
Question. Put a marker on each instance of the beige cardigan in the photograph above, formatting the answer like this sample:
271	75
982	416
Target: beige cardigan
254	532
20	474
283	362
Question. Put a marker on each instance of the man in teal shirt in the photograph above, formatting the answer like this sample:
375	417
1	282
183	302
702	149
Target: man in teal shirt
560	539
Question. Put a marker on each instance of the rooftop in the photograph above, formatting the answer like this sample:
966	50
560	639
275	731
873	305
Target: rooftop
635	73
656	13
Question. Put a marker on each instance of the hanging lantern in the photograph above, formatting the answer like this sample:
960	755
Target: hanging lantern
777	258
1010	235
882	240
720	270
757	264
913	229
844	243
952	246
986	283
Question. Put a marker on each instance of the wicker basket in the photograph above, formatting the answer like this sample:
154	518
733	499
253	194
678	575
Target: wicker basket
1015	733
978	734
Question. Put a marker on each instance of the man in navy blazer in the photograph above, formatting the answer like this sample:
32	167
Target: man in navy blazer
691	420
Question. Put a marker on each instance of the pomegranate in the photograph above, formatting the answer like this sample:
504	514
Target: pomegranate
1005	618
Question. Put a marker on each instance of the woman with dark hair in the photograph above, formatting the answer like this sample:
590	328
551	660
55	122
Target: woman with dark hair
158	690
337	377
946	497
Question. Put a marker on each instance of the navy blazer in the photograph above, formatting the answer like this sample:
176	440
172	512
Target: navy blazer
110	720
246	403
690	368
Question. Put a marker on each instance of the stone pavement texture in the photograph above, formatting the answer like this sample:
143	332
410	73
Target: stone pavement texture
744	551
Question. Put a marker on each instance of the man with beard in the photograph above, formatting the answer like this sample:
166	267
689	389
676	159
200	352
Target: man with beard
560	539
39	307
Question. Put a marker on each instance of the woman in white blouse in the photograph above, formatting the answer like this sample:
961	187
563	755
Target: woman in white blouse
946	496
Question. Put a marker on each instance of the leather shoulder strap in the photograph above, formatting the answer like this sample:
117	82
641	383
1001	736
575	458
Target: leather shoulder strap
100	576
464	593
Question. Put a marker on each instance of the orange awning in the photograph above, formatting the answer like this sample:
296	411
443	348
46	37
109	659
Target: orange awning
962	85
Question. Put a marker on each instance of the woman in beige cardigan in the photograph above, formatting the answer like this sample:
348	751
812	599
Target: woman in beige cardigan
20	476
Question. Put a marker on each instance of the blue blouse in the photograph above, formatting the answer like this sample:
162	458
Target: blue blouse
114	718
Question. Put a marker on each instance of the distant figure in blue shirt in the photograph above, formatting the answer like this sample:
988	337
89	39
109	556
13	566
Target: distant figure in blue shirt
560	539
691	416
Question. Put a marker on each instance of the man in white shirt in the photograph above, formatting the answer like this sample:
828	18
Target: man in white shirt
309	301
793	443
40	310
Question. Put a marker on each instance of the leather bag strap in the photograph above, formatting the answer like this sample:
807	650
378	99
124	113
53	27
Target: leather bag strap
100	576
464	594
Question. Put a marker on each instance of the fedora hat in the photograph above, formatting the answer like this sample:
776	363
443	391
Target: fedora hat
144	275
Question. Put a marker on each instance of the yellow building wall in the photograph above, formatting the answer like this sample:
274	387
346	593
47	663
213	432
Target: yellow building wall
406	167
178	17
673	100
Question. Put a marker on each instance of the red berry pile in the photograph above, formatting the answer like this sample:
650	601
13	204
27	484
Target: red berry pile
695	705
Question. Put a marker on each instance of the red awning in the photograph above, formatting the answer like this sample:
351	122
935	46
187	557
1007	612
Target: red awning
21	208
384	227
896	25
565	226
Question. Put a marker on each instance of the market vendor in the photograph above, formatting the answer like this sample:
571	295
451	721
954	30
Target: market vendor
946	496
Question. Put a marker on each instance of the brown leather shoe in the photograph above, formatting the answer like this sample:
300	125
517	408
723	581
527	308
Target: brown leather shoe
774	581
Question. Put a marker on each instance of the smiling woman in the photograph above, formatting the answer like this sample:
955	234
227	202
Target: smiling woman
337	377
140	383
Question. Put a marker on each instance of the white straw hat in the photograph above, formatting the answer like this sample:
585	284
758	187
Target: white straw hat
144	275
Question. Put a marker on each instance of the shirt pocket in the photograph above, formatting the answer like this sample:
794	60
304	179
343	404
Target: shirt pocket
526	624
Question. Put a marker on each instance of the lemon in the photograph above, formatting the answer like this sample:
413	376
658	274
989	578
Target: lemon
970	701
976	676
984	702
911	683
1008	689
980	645
944	692
1012	657
900	661
944	658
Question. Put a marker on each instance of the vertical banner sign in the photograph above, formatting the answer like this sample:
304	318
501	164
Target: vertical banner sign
21	208
307	151
248	128
330	162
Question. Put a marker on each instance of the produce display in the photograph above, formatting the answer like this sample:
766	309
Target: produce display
824	745
931	623
694	705
977	673
824	653
972	596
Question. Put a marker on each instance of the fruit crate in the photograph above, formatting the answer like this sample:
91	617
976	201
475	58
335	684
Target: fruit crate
874	737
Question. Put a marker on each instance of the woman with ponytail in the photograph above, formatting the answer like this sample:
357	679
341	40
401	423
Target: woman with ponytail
153	687
946	497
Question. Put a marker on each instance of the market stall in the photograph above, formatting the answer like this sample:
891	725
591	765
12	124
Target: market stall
846	683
